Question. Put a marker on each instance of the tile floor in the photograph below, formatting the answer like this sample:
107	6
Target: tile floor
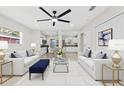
76	76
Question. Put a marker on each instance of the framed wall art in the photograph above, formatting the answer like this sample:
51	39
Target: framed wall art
104	37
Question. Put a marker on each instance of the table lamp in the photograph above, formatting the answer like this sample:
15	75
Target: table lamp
3	46
33	46
116	44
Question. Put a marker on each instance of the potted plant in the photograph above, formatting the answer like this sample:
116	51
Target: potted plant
60	52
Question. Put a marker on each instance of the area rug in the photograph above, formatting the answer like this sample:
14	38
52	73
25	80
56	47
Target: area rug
76	76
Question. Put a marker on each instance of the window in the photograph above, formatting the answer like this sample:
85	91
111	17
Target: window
13	37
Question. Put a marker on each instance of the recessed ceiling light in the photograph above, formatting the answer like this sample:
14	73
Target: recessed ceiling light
37	25
72	25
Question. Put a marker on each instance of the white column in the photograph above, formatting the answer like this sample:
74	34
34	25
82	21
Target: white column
60	39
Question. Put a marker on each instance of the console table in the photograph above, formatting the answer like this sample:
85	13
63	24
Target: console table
1	70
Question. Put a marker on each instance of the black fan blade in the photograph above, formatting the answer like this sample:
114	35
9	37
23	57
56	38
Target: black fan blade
45	11
63	20
64	13
92	8
43	20
53	23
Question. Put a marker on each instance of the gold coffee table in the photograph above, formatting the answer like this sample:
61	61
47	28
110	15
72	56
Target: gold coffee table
114	71
1	71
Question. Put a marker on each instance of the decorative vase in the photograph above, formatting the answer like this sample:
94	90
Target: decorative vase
2	55
116	58
59	56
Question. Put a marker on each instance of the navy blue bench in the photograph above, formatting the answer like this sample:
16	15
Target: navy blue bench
39	67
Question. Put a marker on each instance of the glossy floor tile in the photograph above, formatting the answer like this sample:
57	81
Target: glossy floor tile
76	76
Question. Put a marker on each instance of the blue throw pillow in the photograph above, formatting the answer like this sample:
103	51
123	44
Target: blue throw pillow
27	53
15	55
100	55
12	55
90	52
105	56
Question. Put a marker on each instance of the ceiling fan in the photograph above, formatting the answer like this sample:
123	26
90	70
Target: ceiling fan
55	18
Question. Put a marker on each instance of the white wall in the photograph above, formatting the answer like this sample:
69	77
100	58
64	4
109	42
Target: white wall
91	30
88	33
28	36
36	38
26	33
117	23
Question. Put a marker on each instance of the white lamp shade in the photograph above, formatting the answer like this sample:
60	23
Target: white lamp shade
116	44
3	44
33	45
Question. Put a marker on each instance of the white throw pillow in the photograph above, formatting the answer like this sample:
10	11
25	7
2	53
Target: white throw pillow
17	55
100	55
30	52
87	52
22	53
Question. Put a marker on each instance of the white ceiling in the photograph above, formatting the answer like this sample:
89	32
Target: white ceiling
27	15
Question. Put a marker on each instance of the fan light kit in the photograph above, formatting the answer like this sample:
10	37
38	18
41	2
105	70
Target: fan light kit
55	18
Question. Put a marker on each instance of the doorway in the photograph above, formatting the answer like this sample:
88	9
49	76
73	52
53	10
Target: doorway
81	45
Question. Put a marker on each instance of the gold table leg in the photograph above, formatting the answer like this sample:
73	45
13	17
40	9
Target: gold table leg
113	78
113	81
1	74
118	81
102	74
1	80
118	76
11	69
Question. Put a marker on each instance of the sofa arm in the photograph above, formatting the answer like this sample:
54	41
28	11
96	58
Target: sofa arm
98	68
98	63
18	65
102	61
15	59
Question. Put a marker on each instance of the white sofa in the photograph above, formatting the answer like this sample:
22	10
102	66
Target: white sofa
21	65
94	67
